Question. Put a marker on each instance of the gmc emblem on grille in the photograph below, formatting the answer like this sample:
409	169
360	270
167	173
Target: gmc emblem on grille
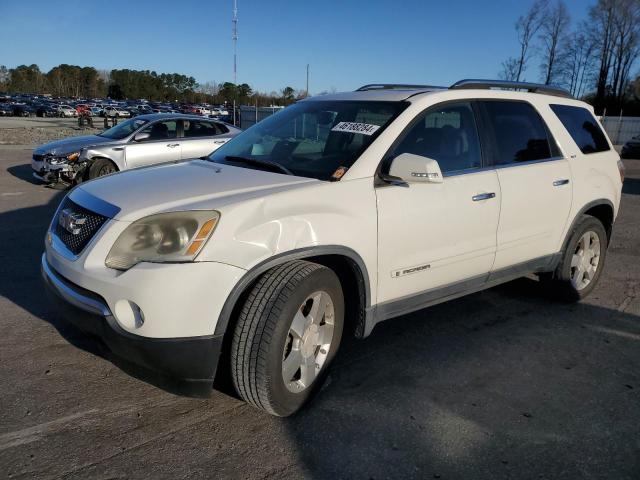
72	222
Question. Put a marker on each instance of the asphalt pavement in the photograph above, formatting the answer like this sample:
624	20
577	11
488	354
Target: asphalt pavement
501	384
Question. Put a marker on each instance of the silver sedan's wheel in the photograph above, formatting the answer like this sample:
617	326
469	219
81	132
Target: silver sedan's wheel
585	260
308	342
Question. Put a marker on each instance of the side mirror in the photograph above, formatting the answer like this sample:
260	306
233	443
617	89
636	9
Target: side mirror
415	168
142	136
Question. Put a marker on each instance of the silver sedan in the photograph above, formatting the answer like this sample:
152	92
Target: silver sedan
140	141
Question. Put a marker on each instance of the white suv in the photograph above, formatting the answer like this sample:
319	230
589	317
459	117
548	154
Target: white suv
326	218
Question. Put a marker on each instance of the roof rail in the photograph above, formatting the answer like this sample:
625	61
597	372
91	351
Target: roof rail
506	84
395	86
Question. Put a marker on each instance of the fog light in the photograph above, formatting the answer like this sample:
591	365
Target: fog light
128	314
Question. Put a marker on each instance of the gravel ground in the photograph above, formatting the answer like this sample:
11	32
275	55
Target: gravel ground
500	384
36	131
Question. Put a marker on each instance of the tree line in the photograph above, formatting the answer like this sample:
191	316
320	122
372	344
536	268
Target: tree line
72	81
593	59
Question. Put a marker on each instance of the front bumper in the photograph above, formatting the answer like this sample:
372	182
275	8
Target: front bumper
184	365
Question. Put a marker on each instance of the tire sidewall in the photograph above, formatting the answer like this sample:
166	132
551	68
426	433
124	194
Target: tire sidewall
564	274
286	402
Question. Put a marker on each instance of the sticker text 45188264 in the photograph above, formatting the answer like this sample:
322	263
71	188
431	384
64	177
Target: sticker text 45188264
353	127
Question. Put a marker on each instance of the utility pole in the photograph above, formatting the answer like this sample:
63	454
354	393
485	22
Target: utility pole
235	56
235	41
307	80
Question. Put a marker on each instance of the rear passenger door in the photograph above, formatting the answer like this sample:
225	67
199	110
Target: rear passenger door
535	182
201	137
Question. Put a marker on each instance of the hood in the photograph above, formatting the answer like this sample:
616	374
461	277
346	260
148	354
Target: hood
192	185
71	144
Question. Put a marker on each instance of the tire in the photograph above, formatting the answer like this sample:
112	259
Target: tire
580	268
101	167
265	338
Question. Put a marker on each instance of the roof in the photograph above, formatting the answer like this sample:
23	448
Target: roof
158	116
381	95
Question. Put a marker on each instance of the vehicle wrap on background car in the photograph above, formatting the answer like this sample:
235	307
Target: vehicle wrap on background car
336	213
141	141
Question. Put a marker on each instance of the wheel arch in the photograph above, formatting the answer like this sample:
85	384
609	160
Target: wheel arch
345	262
602	209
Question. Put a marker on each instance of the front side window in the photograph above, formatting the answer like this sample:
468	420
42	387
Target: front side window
518	132
316	139
447	134
161	130
582	127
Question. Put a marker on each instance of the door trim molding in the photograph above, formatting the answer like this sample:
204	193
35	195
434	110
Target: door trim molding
395	308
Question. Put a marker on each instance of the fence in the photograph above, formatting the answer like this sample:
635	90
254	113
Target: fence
621	129
249	115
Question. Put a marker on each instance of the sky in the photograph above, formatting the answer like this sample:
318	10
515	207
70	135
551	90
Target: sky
347	43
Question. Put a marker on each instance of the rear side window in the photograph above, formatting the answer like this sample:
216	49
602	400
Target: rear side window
582	127
518	133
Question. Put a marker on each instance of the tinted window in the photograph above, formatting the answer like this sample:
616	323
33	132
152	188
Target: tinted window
446	134
196	128
161	130
519	134
582	127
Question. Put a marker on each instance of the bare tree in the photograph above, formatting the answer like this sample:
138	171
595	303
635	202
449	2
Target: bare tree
626	46
527	27
553	34
577	64
510	69
601	31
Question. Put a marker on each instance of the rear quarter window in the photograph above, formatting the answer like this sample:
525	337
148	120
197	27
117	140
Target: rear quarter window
583	128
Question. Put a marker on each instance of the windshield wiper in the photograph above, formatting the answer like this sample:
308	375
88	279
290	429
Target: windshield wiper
260	162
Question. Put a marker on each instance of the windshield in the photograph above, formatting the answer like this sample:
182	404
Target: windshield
123	129
316	139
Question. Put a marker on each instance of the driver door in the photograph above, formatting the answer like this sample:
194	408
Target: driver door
437	239
161	146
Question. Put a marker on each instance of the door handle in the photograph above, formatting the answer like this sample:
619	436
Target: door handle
558	183
171	145
483	196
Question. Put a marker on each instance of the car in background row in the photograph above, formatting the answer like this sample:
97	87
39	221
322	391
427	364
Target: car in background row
116	112
66	111
137	142
631	149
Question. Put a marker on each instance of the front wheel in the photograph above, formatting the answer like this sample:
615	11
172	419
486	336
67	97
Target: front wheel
582	261
101	167
288	332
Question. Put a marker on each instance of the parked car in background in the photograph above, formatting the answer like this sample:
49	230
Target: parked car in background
46	110
66	111
140	141
6	110
95	111
23	110
631	149
116	112
340	212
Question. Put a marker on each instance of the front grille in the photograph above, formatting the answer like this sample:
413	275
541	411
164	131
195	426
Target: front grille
84	232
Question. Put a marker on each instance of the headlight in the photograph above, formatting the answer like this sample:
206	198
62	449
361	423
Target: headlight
72	157
165	237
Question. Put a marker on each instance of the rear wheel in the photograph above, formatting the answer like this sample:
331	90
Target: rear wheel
101	167
582	261
288	331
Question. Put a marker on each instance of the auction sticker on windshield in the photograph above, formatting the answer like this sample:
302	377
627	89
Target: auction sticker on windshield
352	127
